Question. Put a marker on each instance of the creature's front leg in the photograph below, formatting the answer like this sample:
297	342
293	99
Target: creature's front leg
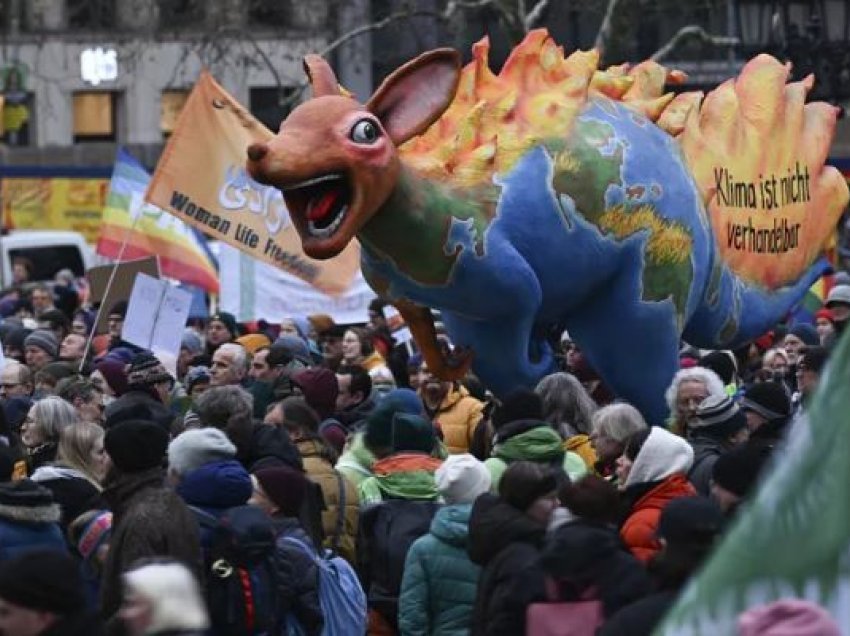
447	366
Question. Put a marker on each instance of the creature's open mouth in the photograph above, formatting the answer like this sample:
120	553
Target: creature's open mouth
323	201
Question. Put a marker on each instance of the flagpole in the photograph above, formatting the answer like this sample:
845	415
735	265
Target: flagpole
106	291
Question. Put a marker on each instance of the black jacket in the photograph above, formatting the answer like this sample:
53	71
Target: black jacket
385	533
582	556
83	624
138	405
149	520
298	576
506	543
270	446
641	617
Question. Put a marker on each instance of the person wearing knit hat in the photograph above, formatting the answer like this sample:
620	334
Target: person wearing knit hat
767	407
251	342
40	349
148	393
825	325
320	389
461	479
146	371
378	432
280	492
196	381
136	445
191	346
799	336
192	449
430	601
29	519
736	473
719	426
41	593
110	376
13	343
408	472
221	328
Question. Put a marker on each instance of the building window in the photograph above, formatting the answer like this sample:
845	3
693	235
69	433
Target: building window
171	105
271	105
91	14
179	13
268	14
17	107
95	116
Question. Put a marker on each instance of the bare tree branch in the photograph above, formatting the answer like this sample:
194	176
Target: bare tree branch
405	14
603	36
692	31
536	14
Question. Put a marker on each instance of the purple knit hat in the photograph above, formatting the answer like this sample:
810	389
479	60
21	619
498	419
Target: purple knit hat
115	374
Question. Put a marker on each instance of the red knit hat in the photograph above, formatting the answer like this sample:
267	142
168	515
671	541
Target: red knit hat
825	313
285	486
320	389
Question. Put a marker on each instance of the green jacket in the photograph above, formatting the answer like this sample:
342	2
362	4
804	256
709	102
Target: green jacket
538	444
401	476
356	461
440	582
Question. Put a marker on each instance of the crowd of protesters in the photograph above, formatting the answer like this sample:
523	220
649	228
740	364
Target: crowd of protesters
129	481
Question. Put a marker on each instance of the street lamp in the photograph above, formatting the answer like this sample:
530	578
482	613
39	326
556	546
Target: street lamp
814	35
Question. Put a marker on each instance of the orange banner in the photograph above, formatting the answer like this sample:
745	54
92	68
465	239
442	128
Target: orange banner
201	179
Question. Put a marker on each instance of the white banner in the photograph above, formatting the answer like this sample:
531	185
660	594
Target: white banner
251	289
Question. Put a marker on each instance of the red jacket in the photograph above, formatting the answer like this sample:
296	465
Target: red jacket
638	532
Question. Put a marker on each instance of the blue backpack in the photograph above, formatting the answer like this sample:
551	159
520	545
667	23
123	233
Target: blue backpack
341	597
240	574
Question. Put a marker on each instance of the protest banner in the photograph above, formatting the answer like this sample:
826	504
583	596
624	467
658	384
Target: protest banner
54	203
133	229
156	316
251	290
221	200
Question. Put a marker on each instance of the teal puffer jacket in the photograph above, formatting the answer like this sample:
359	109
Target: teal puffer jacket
439	584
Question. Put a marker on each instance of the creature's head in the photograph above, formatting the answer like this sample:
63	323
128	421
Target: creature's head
335	160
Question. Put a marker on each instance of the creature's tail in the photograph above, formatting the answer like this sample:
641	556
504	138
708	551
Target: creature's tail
734	312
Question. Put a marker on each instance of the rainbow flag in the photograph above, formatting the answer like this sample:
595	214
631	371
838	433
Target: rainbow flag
182	251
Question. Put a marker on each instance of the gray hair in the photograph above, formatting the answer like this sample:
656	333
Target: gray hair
712	382
240	356
618	422
218	404
52	414
566	404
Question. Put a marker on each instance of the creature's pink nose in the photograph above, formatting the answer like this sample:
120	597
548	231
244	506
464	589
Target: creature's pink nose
257	151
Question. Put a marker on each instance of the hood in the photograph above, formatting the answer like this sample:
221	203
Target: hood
451	524
357	456
216	485
407	476
541	443
661	494
578	546
494	524
353	415
661	455
52	473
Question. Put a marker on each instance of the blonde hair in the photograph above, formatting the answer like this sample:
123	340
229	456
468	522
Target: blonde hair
174	596
76	443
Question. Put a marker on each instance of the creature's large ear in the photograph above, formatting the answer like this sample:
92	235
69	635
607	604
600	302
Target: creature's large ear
415	95
321	76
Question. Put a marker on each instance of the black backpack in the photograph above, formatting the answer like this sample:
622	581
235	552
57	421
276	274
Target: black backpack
240	572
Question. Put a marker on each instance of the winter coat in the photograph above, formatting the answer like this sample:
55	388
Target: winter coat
457	417
386	532
356	462
439	584
581	556
213	488
401	476
298	576
29	519
640	527
532	441
641	617
506	543
707	450
72	490
135	405
354	416
335	488
148	520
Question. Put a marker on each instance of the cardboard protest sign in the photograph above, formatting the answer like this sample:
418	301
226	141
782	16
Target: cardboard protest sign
222	201
121	287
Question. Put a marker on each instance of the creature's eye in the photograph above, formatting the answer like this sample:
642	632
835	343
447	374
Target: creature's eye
364	132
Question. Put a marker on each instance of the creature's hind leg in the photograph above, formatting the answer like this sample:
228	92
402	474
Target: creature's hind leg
632	344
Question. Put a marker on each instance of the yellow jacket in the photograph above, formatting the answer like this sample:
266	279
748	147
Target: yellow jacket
581	446
457	418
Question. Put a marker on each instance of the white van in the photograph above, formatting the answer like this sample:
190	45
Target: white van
49	251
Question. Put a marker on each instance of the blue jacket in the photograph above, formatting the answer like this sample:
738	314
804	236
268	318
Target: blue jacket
214	488
440	582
